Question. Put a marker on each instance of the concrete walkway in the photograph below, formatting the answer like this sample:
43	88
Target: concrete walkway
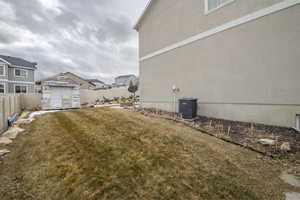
291	180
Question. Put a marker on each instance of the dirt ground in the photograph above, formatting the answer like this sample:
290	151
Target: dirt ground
243	133
116	154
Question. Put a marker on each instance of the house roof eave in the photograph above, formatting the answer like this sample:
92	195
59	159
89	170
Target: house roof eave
1	59
136	26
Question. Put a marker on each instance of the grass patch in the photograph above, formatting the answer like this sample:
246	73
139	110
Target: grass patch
115	154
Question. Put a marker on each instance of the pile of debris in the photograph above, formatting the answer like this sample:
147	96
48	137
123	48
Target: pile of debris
273	141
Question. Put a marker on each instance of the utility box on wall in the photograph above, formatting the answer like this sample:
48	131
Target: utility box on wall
188	108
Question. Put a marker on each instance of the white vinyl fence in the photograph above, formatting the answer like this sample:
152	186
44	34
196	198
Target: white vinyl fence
91	96
15	103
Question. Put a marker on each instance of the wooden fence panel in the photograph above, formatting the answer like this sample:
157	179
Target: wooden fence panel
15	103
2	119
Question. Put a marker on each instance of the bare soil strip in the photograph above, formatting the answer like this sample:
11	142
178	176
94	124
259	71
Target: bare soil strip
243	134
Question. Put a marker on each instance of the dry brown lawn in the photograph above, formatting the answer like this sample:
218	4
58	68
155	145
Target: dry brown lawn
116	155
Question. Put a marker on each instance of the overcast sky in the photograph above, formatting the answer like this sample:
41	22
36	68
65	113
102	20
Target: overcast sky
92	38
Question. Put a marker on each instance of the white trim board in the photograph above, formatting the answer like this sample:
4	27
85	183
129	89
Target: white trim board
142	15
20	67
1	59
256	15
21	82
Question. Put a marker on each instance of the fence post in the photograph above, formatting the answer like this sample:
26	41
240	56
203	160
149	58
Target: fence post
2	112
10	104
22	101
6	111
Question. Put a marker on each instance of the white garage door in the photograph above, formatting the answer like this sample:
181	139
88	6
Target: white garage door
60	95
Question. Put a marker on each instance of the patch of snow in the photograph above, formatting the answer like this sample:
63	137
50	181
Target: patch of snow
292	196
23	121
3	152
117	107
290	179
37	113
266	141
107	105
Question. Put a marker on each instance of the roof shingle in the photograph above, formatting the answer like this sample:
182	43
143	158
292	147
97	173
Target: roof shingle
18	61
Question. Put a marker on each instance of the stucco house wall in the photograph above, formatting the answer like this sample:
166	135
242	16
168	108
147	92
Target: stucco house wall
167	22
83	83
249	72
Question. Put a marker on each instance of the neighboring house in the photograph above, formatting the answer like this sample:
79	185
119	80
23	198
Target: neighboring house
84	84
99	84
16	75
124	80
240	58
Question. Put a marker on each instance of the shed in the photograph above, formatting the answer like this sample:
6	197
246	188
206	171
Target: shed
60	95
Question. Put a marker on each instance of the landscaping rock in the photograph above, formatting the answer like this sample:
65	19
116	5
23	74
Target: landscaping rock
266	141
5	140
126	104
285	146
24	121
13	132
3	152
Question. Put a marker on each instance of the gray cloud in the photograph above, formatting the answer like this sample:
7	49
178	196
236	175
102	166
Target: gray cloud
7	39
92	38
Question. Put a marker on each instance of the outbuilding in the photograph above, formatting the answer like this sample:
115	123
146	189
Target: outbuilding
60	95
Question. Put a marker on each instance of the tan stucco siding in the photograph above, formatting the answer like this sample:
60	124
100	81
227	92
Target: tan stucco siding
279	115
257	63
170	21
83	84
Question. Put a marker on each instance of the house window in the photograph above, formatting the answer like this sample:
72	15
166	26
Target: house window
20	72
2	70
211	5
20	89
2	89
